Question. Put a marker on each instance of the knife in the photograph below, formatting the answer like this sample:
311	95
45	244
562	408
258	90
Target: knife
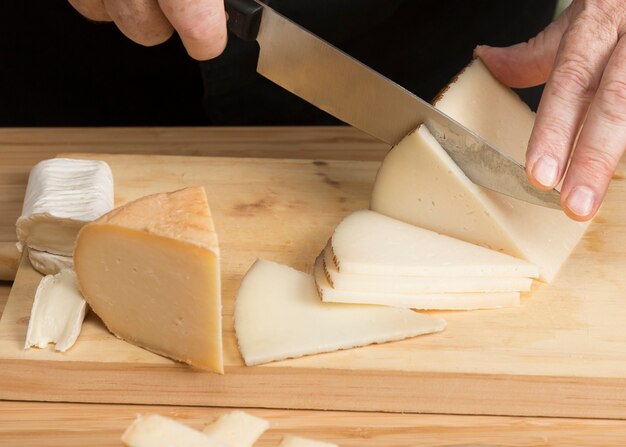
321	74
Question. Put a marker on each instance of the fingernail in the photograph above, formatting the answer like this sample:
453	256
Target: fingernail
580	201
546	170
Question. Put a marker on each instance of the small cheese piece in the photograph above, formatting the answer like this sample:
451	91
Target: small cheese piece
49	263
57	314
158	431
422	301
297	441
237	429
367	242
151	271
420	184
63	195
279	315
419	284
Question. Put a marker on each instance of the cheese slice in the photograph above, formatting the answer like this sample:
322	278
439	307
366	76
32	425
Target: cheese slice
297	441
419	183
151	271
63	195
158	431
423	301
49	263
57	314
419	284
237	429
278	315
367	242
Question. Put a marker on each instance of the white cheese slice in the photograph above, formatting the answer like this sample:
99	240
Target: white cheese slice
237	429
367	242
297	441
62	195
57	314
422	301
279	315
158	431
419	183
151	271
49	263
419	284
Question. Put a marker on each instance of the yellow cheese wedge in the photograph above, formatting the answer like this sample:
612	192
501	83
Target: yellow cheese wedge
297	441
420	184
279	315
151	271
236	429
158	431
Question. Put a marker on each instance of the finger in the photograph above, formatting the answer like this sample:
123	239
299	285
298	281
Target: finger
601	143
92	9
529	63
582	56
201	25
140	20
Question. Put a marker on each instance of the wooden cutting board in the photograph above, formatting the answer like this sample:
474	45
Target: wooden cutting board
562	353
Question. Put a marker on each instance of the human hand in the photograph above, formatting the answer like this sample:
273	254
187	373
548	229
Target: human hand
582	56
201	24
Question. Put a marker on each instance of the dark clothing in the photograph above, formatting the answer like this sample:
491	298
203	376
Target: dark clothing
63	70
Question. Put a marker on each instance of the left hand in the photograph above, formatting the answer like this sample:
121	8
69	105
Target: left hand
582	56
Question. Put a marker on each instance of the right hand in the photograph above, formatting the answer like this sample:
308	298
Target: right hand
201	24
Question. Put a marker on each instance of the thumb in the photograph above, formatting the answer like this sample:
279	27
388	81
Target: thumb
529	63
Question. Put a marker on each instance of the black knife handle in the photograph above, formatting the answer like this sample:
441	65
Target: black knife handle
244	18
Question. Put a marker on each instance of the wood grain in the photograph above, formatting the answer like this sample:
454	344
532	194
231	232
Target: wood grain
9	261
24	424
562	353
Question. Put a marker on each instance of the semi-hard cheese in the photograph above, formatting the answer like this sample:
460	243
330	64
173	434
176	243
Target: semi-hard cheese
57	314
279	315
49	263
151	271
62	195
367	242
297	441
420	184
158	431
419	284
423	301
236	429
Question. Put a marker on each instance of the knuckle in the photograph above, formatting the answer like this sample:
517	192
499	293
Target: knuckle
574	77
611	102
554	134
596	164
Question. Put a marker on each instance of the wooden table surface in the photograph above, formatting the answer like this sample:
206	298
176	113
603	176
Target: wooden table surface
65	424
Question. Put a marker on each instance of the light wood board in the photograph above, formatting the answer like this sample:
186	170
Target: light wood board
562	353
27	424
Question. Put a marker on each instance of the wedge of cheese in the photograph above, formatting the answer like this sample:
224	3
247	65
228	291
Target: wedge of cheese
297	441
278	315
236	429
367	242
49	263
420	184
62	195
57	314
151	271
158	431
422	301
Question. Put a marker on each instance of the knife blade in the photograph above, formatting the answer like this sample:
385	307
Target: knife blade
328	78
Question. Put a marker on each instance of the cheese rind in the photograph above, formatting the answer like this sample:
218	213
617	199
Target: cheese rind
57	314
150	270
422	301
158	431
236	429
62	195
278	315
420	184
367	242
49	263
297	441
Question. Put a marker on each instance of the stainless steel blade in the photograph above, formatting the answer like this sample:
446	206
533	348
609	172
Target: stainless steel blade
340	85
